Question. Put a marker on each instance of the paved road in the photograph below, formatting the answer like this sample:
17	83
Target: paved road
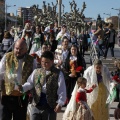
111	112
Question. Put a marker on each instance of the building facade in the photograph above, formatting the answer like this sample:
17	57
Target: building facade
2	8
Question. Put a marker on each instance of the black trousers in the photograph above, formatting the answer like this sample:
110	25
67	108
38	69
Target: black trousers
14	107
111	46
70	84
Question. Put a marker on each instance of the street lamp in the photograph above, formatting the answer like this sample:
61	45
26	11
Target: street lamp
108	19
118	17
59	12
23	17
109	14
16	19
6	7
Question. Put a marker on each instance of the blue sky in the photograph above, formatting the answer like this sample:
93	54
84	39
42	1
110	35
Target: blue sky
94	7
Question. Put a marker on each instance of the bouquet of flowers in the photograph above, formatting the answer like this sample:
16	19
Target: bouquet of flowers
74	68
115	77
59	39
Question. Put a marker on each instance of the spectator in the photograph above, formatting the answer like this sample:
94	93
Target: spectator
111	40
100	36
7	41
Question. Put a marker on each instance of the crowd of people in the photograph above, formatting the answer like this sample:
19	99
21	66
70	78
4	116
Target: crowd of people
46	70
104	38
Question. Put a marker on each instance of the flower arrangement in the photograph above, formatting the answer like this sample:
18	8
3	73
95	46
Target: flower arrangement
74	68
12	78
59	38
116	78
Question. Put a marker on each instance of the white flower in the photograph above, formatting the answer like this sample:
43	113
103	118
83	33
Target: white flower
11	76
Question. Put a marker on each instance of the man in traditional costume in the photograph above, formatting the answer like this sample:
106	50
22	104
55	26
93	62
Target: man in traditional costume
15	68
49	91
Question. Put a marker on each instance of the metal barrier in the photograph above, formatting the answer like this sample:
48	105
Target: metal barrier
93	52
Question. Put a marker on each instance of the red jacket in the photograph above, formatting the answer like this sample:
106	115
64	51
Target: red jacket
81	94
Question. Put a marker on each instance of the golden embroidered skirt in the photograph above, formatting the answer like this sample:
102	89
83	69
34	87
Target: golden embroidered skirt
99	108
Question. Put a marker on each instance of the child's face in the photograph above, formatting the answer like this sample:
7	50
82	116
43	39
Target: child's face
83	85
46	63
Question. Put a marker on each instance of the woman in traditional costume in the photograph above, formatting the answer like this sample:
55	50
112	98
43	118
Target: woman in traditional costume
27	35
38	39
74	67
98	74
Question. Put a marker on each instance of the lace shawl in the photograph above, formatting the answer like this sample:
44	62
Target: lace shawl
90	75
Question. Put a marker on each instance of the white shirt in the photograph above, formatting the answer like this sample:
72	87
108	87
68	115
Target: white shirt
61	87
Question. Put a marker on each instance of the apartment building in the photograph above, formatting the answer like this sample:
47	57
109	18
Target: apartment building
2	8
26	13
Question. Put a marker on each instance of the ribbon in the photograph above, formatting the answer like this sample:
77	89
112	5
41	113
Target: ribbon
38	81
37	41
111	96
12	69
59	39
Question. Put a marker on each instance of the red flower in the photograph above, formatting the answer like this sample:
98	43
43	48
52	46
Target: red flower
23	38
116	78
79	68
51	31
34	54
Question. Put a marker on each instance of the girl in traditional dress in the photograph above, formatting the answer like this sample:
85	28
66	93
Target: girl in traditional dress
27	35
38	40
77	108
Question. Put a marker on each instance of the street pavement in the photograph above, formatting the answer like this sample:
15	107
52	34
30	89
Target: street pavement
111	111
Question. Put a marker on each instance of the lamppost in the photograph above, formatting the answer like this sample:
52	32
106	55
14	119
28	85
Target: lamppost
6	7
109	14
59	12
23	17
16	19
118	17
